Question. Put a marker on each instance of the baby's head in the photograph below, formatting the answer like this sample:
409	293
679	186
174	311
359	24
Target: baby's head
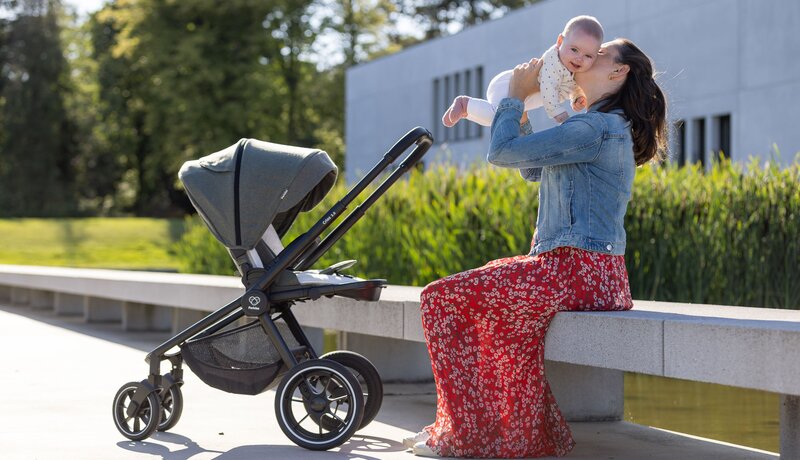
579	43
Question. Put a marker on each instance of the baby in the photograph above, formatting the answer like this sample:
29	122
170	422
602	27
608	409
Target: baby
575	51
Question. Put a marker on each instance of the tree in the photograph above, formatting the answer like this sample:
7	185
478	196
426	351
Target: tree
443	17
183	80
38	138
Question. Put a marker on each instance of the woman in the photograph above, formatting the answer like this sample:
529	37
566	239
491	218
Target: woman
485	327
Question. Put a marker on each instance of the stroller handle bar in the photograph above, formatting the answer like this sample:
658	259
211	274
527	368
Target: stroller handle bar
297	249
415	136
420	136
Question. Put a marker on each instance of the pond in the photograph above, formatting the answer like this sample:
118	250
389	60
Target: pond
736	415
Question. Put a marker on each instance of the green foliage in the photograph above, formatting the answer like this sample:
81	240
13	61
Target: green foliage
126	243
37	140
97	117
197	248
728	237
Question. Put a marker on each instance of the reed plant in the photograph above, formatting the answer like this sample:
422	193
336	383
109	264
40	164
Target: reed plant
728	236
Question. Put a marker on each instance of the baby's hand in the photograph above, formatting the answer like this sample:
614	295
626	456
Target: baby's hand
561	117
579	103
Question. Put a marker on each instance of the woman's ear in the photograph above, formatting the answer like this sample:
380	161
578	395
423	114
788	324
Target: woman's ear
620	72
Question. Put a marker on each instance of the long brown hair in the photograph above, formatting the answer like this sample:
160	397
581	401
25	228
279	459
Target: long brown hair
642	101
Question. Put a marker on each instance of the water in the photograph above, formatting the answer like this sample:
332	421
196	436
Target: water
736	415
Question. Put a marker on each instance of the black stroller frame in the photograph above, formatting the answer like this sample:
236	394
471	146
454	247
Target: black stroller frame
156	402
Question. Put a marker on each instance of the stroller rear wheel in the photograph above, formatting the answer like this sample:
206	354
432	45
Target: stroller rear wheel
315	390
171	408
369	379
136	421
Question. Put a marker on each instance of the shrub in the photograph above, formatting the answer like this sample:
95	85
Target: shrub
730	236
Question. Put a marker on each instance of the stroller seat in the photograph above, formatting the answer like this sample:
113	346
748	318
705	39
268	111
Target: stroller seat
294	285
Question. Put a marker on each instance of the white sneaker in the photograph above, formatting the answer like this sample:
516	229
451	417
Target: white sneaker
421	449
422	436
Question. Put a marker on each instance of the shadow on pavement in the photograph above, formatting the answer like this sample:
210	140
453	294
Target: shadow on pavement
357	447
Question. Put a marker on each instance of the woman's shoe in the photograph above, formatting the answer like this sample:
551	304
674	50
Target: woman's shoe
421	449
422	436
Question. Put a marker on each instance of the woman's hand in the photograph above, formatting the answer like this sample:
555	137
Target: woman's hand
525	79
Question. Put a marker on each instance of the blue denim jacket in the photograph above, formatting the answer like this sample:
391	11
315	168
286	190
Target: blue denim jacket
586	170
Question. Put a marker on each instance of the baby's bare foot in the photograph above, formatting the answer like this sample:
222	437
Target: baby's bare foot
457	111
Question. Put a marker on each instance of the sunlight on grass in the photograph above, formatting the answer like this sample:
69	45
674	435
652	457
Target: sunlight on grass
131	243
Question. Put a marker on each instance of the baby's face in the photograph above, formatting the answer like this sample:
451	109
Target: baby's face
578	50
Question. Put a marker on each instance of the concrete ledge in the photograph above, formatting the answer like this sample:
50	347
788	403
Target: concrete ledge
746	347
41	299
587	394
20	295
142	317
184	317
196	292
68	304
101	310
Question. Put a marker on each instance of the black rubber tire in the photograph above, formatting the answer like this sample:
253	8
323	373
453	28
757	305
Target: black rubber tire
368	377
149	413
171	408
318	372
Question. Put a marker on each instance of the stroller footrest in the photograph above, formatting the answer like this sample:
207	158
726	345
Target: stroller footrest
368	290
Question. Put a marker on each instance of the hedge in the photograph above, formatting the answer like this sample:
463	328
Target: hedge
730	236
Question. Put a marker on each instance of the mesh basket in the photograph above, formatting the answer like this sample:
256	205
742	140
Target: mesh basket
241	360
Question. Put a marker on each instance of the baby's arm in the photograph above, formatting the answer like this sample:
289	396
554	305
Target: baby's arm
578	99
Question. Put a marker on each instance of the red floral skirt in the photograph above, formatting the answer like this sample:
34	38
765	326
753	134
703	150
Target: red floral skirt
485	331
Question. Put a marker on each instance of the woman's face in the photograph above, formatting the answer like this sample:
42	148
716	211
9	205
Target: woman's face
602	68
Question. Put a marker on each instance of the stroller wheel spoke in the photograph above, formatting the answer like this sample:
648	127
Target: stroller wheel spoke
327	384
337	399
301	420
333	414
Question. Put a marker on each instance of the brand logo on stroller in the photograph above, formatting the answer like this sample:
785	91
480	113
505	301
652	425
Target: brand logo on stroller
254	303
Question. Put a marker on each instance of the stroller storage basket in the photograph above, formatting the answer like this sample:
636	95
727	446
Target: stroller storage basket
241	360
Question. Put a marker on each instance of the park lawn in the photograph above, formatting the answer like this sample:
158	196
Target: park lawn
121	243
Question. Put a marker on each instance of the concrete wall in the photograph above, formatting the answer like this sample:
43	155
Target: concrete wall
717	57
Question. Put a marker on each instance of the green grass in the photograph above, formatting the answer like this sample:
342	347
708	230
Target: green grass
124	243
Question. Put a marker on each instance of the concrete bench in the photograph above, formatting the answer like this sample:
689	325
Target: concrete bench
586	353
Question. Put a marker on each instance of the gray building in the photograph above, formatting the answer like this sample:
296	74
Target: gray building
730	69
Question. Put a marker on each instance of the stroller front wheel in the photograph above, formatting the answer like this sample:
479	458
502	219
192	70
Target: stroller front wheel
136	421
312	393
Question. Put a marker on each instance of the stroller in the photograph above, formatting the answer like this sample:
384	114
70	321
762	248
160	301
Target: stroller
249	195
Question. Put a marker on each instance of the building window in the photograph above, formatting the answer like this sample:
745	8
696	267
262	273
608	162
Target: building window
437	96
679	142
445	89
699	141
722	125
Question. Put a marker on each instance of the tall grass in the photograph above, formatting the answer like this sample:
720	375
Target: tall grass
730	236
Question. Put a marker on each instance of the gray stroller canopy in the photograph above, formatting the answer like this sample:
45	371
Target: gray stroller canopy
241	190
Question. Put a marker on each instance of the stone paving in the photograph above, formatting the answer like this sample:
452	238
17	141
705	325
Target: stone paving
59	376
